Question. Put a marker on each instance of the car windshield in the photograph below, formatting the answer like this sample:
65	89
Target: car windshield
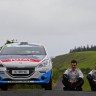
23	51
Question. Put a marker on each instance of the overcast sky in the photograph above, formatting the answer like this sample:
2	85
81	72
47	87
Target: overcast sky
59	25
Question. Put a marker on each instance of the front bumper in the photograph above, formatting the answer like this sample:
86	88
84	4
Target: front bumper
37	77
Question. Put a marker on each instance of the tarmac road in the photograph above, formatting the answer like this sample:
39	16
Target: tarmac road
57	91
46	93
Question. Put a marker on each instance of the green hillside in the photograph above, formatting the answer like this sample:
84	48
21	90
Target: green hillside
85	59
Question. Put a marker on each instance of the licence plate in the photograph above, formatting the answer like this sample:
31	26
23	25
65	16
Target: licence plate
20	71
20	81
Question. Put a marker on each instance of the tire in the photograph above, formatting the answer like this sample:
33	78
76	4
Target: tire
4	87
48	86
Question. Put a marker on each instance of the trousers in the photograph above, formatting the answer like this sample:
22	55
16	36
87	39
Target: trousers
72	86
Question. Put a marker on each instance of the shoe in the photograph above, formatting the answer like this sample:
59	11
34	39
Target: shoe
65	89
78	89
93	89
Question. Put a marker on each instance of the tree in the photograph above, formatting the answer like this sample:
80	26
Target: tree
10	41
83	48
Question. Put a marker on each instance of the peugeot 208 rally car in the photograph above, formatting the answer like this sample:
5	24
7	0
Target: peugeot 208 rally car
25	63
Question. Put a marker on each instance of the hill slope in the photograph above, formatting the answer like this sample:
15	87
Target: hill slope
85	59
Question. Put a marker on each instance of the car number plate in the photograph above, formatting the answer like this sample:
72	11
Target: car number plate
20	71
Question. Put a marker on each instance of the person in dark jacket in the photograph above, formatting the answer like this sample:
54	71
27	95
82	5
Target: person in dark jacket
73	78
92	78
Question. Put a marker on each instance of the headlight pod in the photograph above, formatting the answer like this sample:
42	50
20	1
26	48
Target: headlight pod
44	63
1	65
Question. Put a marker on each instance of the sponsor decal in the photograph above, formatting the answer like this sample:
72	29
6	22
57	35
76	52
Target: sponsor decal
21	59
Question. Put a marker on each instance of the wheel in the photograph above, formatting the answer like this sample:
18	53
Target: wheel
48	86
4	87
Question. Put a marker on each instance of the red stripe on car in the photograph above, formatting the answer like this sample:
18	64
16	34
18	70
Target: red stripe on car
21	59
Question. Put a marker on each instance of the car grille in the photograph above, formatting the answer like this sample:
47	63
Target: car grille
21	75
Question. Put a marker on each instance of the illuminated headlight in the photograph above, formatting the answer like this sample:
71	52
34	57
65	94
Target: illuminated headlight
44	63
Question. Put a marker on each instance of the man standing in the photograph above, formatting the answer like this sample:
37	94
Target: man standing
73	78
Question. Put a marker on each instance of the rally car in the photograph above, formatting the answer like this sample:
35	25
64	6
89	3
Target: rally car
24	63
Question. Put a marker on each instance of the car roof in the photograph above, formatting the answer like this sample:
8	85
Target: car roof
22	44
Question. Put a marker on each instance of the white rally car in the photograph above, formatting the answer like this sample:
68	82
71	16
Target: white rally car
25	63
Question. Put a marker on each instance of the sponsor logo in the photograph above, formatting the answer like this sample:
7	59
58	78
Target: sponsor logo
20	59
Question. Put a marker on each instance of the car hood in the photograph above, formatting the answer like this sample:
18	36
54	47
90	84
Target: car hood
21	60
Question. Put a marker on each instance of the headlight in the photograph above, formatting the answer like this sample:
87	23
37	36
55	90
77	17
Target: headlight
1	65
44	63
